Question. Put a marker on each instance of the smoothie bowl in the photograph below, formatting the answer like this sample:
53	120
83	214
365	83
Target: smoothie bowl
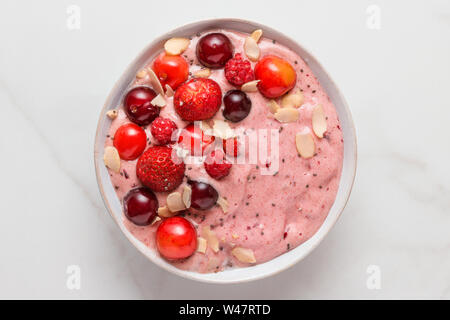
225	153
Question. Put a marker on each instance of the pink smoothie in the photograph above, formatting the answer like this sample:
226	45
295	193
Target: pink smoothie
269	214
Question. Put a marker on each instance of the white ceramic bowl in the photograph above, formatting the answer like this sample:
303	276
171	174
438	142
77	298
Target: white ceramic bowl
284	261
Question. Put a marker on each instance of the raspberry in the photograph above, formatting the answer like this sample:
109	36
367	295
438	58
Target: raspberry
216	165
162	130
238	71
160	169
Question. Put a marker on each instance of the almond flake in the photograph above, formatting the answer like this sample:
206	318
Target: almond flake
201	245
223	203
155	82
251	49
169	91
112	114
235	236
175	202
112	159
202	73
141	74
157	219
305	145
319	122
176	46
287	115
187	192
251	86
210	236
165	212
273	106
244	255
159	101
293	99
222	130
256	35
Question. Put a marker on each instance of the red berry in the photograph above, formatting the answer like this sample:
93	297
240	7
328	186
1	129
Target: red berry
176	238
162	130
138	107
160	169
216	165
238	71
193	138
276	75
140	206
130	141
197	99
231	147
214	50
171	70
237	105
203	196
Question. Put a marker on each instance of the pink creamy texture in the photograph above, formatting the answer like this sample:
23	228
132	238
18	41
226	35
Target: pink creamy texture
270	214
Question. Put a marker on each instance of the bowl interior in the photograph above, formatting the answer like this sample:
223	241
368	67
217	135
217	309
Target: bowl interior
348	171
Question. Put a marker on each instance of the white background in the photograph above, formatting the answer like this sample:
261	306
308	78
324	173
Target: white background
53	83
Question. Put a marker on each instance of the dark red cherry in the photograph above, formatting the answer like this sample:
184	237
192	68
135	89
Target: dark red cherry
203	196
237	105
140	206
138	107
214	50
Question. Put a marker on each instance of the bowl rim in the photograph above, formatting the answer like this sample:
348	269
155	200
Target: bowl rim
199	276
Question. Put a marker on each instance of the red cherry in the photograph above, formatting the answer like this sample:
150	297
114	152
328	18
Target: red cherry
138	107
176	238
130	141
171	70
140	206
194	139
203	196
276	76
214	50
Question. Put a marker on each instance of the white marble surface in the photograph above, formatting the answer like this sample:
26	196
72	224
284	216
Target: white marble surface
53	82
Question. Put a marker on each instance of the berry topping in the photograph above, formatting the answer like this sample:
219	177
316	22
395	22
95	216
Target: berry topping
176	238
138	107
237	105
140	206
203	196
238	71
130	141
160	169
162	130
217	165
214	50
197	99
231	147
276	76
171	70
193	138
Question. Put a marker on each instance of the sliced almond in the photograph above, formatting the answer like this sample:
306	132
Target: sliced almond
256	35
112	114
235	236
319	122
155	82
112	159
201	245
287	114
176	46
251	49
157	219
187	192
165	212
223	203
141	74
273	106
251	86
202	73
175	202
305	145
169	91
210	236
222	129
293	99
159	101
244	255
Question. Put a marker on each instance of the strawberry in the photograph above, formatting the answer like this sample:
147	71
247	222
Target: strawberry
216	165
160	169
162	130
197	99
